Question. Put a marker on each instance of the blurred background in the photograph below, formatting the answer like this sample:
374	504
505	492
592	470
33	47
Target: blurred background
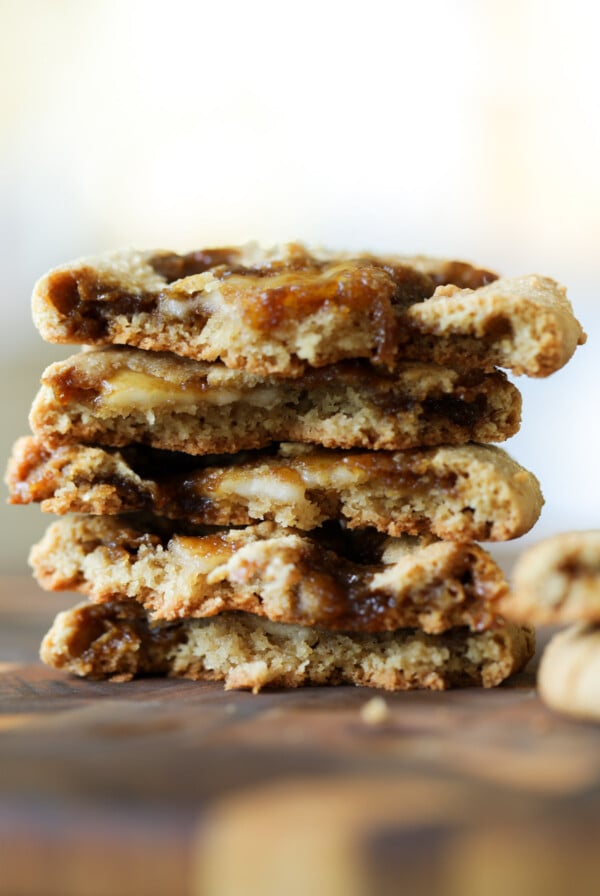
468	129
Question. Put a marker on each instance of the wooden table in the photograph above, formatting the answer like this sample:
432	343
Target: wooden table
174	787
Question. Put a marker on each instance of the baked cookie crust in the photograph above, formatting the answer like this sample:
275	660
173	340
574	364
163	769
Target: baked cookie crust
117	396
285	309
116	640
352	582
462	493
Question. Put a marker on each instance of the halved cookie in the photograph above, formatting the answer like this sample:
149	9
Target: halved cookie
281	310
117	640
463	493
356	581
116	396
557	580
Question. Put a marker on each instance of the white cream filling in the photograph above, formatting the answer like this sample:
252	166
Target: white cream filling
129	389
267	486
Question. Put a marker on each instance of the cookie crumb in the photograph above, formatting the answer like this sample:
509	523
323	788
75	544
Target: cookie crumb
375	711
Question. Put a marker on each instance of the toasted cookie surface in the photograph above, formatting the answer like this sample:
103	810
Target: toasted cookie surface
281	310
117	396
466	493
353	582
557	580
117	640
525	324
569	673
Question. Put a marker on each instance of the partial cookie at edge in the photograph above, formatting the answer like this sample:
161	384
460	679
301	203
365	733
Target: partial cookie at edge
557	580
569	673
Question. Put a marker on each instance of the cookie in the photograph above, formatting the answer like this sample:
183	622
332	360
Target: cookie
117	640
462	493
281	310
330	579
569	673
557	580
116	396
271	311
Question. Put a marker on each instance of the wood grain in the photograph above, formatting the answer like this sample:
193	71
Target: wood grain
158	786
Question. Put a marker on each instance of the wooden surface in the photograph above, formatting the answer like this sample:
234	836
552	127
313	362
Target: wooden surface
174	787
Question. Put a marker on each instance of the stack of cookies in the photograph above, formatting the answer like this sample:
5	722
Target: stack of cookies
272	467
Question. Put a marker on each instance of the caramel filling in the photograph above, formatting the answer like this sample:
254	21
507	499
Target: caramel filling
463	275
265	296
177	486
124	390
300	480
105	636
339	593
